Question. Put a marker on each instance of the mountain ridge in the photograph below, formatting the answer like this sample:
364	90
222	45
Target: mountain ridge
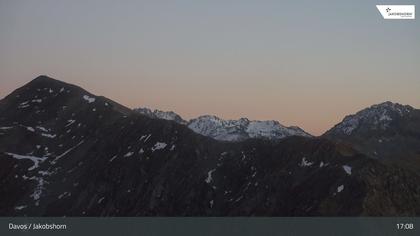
77	154
229	130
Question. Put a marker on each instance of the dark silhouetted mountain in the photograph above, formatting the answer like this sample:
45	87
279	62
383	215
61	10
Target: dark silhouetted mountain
387	131
67	152
229	130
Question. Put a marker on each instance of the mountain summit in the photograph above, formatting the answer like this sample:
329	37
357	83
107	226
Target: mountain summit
377	117
229	130
387	131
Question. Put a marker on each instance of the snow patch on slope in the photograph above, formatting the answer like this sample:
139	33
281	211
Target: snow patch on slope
347	169
34	159
88	99
158	146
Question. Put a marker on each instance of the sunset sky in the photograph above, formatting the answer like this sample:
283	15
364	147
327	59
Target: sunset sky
299	62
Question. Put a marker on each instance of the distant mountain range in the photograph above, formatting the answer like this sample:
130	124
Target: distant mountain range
229	130
382	131
67	152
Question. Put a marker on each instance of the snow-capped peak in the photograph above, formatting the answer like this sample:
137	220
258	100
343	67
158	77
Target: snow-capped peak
213	126
273	130
158	114
229	130
241	129
377	116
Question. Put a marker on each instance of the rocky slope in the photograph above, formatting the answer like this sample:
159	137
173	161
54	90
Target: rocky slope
66	152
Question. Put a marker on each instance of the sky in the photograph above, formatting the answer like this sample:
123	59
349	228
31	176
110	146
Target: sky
299	62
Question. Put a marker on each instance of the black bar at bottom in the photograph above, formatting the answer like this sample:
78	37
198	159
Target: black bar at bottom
203	226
